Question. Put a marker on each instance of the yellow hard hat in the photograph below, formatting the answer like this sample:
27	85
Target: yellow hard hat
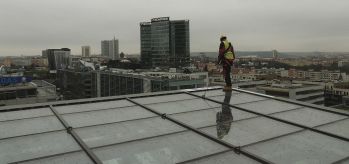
223	37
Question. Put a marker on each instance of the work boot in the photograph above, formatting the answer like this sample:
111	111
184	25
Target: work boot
227	88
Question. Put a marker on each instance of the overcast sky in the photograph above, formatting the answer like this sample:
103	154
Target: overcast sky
29	26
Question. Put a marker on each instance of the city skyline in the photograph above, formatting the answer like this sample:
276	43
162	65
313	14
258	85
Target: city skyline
310	25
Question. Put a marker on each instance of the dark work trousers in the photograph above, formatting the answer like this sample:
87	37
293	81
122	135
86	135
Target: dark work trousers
226	73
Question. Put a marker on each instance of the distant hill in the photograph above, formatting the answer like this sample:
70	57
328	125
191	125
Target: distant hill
238	53
266	54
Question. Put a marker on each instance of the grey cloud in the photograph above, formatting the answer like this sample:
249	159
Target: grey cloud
27	27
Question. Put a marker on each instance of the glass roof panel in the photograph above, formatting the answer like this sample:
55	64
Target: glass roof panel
225	158
183	106
13	115
29	126
303	147
92	106
71	158
249	131
212	116
339	128
308	117
106	116
269	106
164	98
344	161
237	98
131	134
210	93
34	146
126	131
160	150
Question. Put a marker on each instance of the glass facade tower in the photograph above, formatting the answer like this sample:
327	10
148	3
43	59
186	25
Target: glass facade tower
180	46
146	43
165	43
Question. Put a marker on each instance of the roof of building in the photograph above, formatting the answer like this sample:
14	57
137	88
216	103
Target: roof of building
288	87
185	126
19	86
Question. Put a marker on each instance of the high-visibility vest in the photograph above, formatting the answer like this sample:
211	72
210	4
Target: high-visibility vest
229	54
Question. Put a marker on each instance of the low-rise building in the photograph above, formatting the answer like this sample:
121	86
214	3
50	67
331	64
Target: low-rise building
76	84
343	63
310	93
39	62
37	91
334	93
246	77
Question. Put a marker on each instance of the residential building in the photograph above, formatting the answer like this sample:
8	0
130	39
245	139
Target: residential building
85	51
16	61
110	49
39	62
284	73
96	59
335	93
314	75
323	75
245	77
165	43
343	63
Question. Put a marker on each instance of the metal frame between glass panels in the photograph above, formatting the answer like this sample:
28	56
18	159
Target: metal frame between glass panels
76	137
169	117
102	109
298	131
325	109
207	156
235	148
274	118
341	160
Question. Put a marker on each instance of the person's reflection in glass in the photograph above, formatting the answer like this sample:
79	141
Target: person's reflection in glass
224	117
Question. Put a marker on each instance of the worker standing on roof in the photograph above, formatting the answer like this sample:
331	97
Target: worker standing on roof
226	58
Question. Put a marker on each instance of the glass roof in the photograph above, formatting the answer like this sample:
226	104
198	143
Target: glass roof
34	146
127	131
188	126
16	115
223	158
172	148
302	147
74	158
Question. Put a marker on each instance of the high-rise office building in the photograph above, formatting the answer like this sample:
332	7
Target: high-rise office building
275	54
110	49
57	58
86	51
146	58
165	43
